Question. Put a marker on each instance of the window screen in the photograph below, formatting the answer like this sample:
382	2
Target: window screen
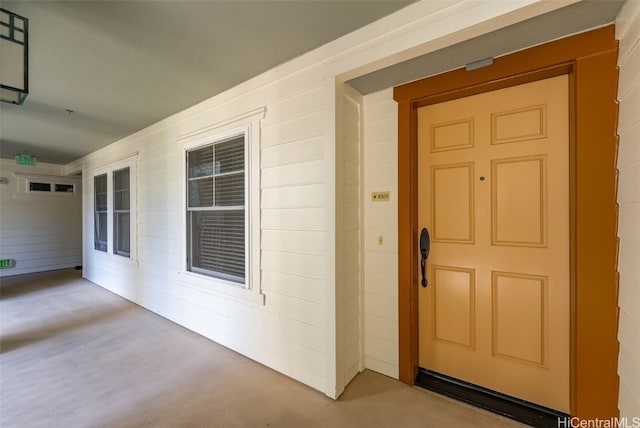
100	212
67	188
121	212
216	209
39	187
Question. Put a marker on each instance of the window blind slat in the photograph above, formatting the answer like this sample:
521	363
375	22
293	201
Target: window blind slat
229	156
100	190
201	192
100	231
121	231
200	162
121	216
218	241
100	212
216	186
121	189
230	190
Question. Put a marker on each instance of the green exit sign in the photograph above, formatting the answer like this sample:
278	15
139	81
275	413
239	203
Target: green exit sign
6	263
25	160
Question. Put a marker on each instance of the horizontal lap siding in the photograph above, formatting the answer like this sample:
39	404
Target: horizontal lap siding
288	333
628	31
381	219
40	231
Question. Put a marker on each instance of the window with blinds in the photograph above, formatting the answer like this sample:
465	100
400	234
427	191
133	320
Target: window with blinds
121	212
216	209
114	188
100	212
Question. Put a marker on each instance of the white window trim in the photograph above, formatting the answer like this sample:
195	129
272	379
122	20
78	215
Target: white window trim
127	162
247	124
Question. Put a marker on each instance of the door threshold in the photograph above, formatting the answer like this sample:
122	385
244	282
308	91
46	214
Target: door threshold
510	407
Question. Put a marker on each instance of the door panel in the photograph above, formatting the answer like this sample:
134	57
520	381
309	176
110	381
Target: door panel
518	211
493	189
518	317
452	203
454	327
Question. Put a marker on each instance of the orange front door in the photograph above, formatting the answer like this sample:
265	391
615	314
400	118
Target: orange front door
493	188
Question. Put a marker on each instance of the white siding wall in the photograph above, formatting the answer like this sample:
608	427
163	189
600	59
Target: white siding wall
288	332
307	326
40	231
381	220
628	32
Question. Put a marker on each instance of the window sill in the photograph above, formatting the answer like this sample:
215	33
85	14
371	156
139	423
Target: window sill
221	288
114	258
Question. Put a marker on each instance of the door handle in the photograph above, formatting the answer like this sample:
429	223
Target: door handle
425	247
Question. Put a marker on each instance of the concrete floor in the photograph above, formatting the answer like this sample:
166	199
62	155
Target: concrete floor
75	355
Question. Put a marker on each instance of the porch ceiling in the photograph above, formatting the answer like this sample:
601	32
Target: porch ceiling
124	65
121	66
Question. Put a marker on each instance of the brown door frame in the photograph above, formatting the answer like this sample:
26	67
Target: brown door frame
590	60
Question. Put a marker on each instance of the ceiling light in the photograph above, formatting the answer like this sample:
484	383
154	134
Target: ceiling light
14	79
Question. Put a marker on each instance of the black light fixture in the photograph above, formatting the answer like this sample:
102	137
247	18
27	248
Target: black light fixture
14	49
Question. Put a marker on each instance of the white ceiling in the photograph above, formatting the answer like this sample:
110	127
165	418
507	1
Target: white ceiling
124	65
